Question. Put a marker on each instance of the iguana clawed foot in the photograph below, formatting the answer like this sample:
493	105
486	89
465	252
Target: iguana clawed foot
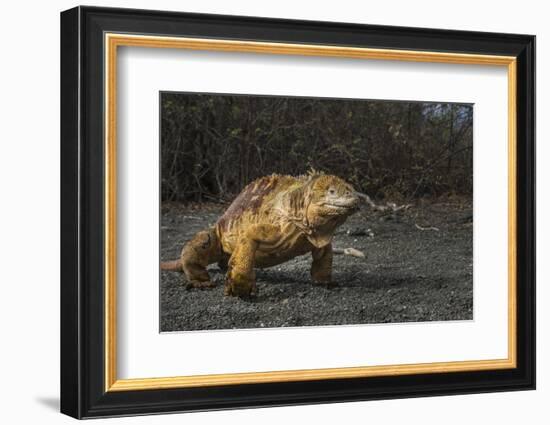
328	284
195	284
240	285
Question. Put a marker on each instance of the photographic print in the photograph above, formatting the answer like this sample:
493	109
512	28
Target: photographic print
292	211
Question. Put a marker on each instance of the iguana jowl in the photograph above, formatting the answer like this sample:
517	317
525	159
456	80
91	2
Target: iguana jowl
274	219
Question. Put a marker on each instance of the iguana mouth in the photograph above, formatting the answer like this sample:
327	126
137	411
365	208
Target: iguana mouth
343	205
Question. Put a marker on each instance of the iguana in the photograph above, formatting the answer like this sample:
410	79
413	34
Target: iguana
274	219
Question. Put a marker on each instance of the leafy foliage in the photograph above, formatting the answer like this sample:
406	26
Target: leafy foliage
213	145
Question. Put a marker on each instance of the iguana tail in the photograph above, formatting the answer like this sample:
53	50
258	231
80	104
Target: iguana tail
174	265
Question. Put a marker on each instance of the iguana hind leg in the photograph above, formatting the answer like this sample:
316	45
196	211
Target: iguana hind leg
197	254
321	268
241	278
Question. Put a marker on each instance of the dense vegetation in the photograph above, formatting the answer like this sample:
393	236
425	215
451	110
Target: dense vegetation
213	145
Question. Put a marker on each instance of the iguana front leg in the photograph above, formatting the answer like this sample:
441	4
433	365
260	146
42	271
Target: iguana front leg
321	268
241	278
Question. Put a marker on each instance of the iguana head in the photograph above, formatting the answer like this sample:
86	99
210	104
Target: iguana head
319	205
329	201
330	198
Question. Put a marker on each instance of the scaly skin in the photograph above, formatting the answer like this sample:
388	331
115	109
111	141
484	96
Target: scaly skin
273	220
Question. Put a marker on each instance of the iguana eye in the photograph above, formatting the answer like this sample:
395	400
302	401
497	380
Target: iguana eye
331	191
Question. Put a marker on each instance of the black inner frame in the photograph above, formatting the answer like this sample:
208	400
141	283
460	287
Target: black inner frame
82	212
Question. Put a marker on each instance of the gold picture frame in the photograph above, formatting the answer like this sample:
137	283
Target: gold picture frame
114	41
